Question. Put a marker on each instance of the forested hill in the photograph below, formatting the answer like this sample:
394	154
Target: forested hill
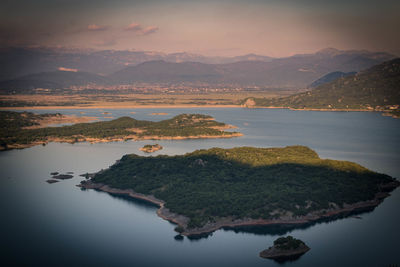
244	182
124	128
377	88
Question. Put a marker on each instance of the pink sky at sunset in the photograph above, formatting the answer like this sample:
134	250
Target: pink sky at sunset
218	28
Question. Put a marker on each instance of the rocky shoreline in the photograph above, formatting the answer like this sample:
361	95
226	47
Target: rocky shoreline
182	220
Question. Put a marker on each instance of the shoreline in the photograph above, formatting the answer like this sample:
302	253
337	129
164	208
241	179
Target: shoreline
383	112
118	107
179	106
91	140
182	220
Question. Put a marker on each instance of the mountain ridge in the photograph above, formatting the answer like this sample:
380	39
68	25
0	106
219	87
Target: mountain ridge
291	72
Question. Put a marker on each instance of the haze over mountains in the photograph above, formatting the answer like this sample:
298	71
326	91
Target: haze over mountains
15	62
25	69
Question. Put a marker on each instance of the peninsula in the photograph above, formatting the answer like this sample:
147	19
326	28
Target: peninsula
15	134
209	189
285	248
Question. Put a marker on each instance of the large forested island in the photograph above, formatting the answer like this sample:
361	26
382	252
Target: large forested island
20	130
375	89
208	189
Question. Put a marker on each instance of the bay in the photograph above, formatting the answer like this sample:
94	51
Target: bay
60	225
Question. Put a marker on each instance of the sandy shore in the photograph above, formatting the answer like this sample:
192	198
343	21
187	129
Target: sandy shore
229	222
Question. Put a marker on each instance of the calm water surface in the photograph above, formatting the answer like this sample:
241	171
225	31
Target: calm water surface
60	225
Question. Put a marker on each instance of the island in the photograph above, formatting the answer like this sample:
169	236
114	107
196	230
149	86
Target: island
151	148
285	248
15	134
209	189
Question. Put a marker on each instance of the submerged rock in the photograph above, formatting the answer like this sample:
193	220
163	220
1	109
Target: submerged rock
178	237
87	175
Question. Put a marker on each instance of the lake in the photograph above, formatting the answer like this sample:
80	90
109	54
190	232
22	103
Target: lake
61	225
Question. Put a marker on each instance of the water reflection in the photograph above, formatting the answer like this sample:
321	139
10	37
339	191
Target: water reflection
271	230
283	229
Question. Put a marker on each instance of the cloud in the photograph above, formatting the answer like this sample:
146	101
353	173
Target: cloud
139	30
67	69
134	27
149	30
95	27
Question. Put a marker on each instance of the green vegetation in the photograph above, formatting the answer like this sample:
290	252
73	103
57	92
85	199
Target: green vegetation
374	89
288	243
244	182
184	125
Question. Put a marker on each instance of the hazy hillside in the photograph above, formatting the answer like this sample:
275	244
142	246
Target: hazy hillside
376	88
51	80
162	71
330	77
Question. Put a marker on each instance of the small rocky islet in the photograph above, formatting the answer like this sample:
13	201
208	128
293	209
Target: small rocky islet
151	148
52	181
56	176
62	176
285	248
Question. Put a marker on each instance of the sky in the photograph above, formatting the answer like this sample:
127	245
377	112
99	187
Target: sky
214	28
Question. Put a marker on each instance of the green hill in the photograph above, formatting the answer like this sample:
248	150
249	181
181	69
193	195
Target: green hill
377	88
244	182
15	135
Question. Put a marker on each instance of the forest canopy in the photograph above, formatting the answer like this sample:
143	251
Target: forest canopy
244	182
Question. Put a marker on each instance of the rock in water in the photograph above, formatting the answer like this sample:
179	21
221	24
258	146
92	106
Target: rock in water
62	176
51	181
285	248
151	148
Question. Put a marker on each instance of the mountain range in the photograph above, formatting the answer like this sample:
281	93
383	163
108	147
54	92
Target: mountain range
16	62
24	69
